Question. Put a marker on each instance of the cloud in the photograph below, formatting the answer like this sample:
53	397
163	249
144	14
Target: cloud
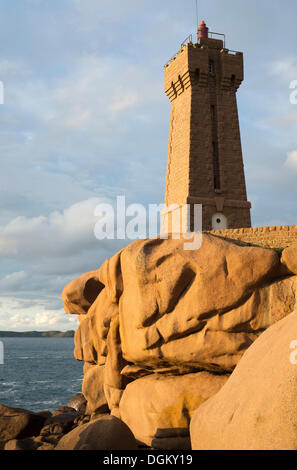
112	13
13	280
87	98
285	68
13	69
17	314
291	161
86	118
73	133
284	122
52	250
123	101
59	234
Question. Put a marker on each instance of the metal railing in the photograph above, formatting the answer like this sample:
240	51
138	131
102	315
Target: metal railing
232	52
211	33
189	39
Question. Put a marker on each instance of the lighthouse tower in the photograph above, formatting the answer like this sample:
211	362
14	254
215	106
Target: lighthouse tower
205	164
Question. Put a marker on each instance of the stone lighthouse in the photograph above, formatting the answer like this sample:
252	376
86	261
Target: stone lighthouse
205	164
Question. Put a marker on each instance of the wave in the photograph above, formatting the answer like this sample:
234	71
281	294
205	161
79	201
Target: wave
49	402
42	381
10	390
9	383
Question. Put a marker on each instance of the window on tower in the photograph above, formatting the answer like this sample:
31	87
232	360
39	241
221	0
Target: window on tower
180	82
174	89
211	66
213	112
216	167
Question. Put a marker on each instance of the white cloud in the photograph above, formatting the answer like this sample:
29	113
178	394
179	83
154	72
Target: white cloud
59	234
53	318
13	68
21	315
284	122
291	161
13	280
122	101
86	100
285	68
68	133
112	12
52	250
85	116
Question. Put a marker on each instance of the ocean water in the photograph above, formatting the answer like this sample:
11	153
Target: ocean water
39	373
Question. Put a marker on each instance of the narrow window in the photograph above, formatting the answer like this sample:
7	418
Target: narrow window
211	66
213	112
197	74
174	89
233	81
181	82
216	166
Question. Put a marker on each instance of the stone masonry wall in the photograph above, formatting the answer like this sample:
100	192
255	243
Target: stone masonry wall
270	237
204	148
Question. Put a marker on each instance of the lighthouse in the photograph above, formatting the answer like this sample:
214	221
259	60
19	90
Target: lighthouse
205	163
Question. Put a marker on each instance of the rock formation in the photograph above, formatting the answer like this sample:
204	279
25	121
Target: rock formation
104	433
175	341
257	408
162	328
158	407
17	423
24	430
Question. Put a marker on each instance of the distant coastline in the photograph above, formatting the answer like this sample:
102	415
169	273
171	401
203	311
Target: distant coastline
37	334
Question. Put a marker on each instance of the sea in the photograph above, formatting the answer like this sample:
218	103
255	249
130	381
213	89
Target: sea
39	374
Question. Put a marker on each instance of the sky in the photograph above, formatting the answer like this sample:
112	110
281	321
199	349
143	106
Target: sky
85	119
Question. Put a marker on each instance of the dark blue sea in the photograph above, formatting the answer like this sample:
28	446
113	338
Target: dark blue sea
39	373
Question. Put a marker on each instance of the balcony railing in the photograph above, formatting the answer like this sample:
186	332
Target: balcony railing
189	39
212	33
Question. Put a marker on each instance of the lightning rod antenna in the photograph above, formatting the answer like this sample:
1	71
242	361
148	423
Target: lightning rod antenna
197	14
